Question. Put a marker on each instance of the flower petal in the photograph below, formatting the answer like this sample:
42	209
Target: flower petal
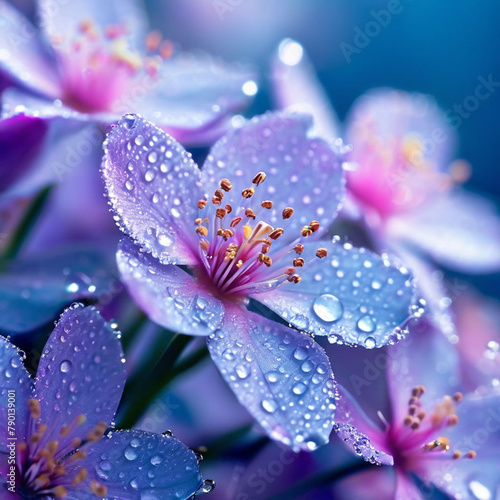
297	88
139	465
33	291
280	375
353	295
16	158
24	55
458	229
193	95
81	372
356	429
153	187
167	294
302	173
62	20
13	377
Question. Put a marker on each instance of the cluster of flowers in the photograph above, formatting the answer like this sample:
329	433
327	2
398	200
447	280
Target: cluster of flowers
240	251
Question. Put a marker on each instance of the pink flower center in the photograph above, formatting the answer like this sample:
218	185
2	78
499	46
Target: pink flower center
240	251
100	71
419	437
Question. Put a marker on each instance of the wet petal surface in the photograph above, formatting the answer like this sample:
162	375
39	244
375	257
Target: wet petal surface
280	375
353	296
139	465
302	173
168	295
153	187
82	356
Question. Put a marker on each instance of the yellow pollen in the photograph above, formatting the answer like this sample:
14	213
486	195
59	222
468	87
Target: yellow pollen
239	263
267	204
314	226
65	430
471	454
440	444
265	259
97	488
247	231
457	454
306	231
34	408
287	213
81	476
202	230
198	221
60	492
204	245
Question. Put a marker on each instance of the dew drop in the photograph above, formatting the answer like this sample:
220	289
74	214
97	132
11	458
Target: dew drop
242	371
328	308
139	140
130	453
156	460
269	405
129	185
129	121
152	157
479	491
299	388
300	353
65	366
149	175
370	343
366	323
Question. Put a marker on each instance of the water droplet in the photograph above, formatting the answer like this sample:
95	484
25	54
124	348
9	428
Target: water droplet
129	185
207	486
139	140
479	491
156	460
269	405
366	323
152	157
149	175
272	377
328	308
299	388
370	343
164	240
242	371
65	366
130	453
300	353
129	121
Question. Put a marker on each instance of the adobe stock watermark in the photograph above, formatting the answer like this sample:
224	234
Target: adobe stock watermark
11	440
363	36
224	7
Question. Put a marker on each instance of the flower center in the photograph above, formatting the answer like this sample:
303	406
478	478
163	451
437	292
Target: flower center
241	252
419	437
42	465
100	70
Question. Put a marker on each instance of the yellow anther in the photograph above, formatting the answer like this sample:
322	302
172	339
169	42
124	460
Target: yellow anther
81	476
471	454
97	432
440	444
457	454
247	231
314	226
97	488
265	259
259	178
34	408
295	278
226	185
202	230
239	263
248	193
321	253
306	231
65	430
198	221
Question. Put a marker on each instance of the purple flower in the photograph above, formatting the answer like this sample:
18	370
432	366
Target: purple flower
405	190
59	445
96	61
240	234
446	439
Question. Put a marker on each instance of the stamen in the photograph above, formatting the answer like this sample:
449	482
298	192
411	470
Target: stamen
314	225
205	245
226	185
259	178
265	259
298	262
202	230
321	253
236	221
299	248
276	233
250	213
471	454
458	397
306	231
220	213
198	221
34	408
81	476
287	213
267	204
60	492
248	193
97	432
229	209
440	444
457	454
295	278
97	488
202	204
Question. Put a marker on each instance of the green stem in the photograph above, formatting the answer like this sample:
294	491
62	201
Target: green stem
321	479
139	394
225	442
128	337
26	224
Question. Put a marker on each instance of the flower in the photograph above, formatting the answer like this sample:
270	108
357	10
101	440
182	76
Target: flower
209	247
443	438
58	444
99	63
405	190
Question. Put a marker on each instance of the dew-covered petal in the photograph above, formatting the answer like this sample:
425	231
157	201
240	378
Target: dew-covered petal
167	294
24	56
296	88
353	296
15	378
15	133
81	372
426	357
139	465
34	290
354	427
302	172
458	229
193	96
153	187
280	375
402	143
62	21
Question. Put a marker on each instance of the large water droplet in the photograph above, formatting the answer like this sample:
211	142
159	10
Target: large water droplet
299	388
370	343
149	175
242	371
366	323
130	453
300	353
269	405
129	121
479	491
156	460
328	308
65	366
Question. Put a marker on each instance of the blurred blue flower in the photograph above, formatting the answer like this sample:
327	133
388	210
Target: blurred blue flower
249	238
59	440
438	437
96	61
